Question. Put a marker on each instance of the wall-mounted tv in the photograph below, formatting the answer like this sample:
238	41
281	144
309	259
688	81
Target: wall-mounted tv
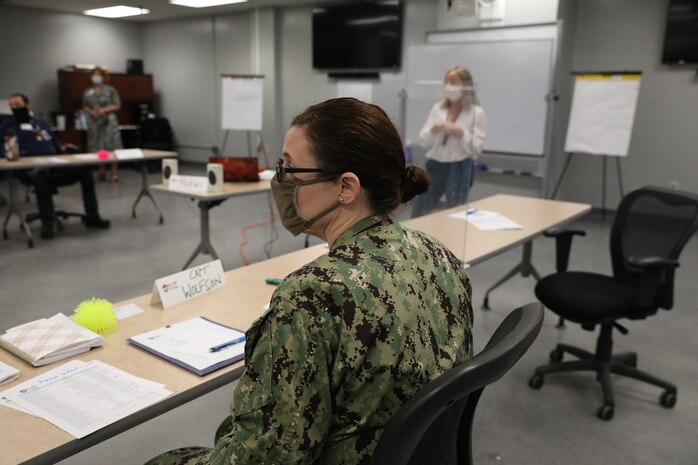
681	36
358	36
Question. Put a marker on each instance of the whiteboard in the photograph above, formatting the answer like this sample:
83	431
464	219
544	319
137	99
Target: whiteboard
512	80
602	114
241	106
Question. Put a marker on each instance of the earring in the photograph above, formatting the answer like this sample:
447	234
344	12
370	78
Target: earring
341	200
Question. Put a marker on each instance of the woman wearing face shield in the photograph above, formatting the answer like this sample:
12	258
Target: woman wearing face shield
101	102
453	136
353	335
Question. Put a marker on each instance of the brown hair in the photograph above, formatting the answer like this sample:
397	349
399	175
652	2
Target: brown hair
103	71
348	135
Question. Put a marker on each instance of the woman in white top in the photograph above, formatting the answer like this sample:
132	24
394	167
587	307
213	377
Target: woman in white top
453	135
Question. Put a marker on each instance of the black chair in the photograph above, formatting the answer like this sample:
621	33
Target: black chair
58	215
156	133
651	227
435	426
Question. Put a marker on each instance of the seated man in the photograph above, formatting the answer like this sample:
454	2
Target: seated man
35	137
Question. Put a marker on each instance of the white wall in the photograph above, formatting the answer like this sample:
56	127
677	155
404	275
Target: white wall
186	57
516	12
627	34
36	43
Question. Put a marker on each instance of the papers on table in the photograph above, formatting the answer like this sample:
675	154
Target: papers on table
48	340
486	220
189	343
267	174
81	398
7	373
86	156
57	160
127	310
128	154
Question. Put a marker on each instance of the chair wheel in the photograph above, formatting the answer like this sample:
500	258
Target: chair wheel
162	220
605	412
667	399
5	235
30	243
486	304
632	362
556	355
133	213
536	382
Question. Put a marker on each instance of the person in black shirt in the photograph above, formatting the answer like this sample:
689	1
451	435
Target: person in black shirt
35	138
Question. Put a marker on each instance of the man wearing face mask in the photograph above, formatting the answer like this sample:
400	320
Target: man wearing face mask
35	138
453	136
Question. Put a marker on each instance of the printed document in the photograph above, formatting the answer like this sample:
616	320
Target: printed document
81	398
486	220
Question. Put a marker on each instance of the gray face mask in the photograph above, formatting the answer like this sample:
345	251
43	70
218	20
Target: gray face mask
97	79
285	193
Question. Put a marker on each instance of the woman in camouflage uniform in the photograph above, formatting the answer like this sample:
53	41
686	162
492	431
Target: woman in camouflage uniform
351	336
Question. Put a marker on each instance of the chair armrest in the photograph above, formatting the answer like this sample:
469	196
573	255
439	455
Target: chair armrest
653	262
563	245
654	274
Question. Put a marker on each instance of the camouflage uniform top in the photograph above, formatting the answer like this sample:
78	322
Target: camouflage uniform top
348	339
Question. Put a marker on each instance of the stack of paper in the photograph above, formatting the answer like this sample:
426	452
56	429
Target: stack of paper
486	220
199	345
7	373
81	398
45	341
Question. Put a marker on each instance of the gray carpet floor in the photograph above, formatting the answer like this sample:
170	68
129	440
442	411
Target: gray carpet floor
514	424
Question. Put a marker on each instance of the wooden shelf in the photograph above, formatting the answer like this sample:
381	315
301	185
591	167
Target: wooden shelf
134	89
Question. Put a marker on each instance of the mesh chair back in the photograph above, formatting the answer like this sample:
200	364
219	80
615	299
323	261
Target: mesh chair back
652	222
435	426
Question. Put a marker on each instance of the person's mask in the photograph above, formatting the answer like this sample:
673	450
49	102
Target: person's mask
97	79
453	93
22	115
285	195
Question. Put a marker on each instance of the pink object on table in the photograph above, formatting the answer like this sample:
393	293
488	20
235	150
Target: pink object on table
103	154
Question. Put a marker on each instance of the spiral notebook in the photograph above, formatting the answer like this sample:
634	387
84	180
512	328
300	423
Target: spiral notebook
48	340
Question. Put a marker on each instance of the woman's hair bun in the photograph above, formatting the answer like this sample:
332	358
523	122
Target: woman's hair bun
415	181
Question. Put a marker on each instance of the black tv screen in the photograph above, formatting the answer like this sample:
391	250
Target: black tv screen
681	37
358	36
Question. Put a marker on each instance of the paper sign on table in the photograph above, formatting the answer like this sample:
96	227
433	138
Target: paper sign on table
188	284
188	183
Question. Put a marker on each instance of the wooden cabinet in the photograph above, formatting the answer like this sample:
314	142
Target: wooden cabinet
135	90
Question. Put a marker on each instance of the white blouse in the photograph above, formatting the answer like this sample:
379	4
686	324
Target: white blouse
472	121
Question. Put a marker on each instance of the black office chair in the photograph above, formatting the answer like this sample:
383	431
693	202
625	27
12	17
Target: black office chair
651	227
58	215
435	426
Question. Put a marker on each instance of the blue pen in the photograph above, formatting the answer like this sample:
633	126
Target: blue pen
471	211
222	346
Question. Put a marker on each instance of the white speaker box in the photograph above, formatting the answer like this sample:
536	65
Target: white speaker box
214	172
170	167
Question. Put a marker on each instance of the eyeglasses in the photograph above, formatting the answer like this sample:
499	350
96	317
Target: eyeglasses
281	170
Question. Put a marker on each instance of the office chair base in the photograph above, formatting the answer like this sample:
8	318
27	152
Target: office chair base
622	364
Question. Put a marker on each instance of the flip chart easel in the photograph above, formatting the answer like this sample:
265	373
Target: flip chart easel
601	119
241	108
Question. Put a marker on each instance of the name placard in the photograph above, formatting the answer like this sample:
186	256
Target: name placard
189	183
188	284
128	154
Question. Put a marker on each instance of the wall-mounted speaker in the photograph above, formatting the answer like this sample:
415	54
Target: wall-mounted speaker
170	167
214	172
